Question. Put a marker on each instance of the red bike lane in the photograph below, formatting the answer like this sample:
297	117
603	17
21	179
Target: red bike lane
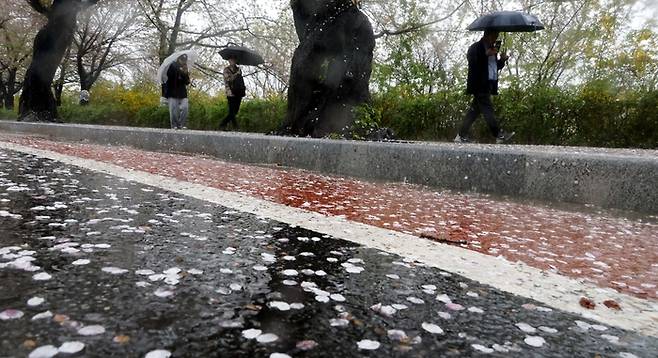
598	247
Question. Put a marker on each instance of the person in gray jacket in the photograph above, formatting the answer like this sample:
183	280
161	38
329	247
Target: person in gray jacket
235	91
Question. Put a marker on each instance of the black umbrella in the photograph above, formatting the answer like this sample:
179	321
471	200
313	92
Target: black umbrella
243	55
507	21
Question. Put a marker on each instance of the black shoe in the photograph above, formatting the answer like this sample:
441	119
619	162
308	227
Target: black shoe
504	137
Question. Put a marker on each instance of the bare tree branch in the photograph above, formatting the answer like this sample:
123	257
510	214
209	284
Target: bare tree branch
417	27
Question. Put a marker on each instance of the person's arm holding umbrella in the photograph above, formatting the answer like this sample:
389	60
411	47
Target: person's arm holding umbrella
185	75
493	50
502	59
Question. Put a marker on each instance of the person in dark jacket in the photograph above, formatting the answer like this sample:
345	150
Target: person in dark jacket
178	78
484	63
235	91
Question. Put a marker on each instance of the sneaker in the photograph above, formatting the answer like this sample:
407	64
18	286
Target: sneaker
460	139
184	128
504	137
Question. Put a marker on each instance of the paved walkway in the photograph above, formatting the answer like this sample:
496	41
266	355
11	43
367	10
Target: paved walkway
599	247
96	265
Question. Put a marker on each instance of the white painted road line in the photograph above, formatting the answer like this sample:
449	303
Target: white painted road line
553	290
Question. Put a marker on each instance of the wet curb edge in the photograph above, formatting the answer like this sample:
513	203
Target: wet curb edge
616	179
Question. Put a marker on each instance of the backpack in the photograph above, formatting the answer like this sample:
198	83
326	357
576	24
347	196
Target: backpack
238	87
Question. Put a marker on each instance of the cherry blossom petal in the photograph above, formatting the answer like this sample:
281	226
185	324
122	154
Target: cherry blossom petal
368	345
71	347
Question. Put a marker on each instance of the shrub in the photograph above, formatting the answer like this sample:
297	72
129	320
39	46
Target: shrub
261	115
106	113
543	115
152	116
642	126
140	106
592	115
428	117
8	114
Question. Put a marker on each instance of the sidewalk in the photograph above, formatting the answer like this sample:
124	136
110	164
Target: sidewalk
610	251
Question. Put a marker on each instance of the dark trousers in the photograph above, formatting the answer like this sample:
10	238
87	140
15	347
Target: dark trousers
233	109
481	105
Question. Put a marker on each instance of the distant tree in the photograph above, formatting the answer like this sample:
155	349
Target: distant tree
99	37
168	18
37	102
158	13
412	56
17	26
636	64
583	41
276	40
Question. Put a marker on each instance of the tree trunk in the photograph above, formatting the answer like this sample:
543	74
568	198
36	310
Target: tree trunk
331	67
37	102
3	88
10	89
163	49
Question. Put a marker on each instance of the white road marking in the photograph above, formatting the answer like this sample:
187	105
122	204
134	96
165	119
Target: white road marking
553	290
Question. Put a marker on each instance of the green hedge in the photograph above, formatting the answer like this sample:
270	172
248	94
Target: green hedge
256	115
7	114
109	114
588	116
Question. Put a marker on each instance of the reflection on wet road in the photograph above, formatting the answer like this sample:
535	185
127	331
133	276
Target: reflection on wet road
98	266
599	247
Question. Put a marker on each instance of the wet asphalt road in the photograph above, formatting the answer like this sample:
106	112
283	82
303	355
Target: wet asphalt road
135	269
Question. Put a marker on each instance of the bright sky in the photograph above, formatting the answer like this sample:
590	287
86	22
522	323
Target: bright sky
647	11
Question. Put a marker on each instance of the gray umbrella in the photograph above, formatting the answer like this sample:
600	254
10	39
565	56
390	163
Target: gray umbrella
243	55
507	21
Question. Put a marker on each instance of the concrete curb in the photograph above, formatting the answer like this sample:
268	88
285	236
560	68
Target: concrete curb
619	179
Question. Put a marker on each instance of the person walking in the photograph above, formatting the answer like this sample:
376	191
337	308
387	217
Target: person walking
178	78
483	66
235	91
